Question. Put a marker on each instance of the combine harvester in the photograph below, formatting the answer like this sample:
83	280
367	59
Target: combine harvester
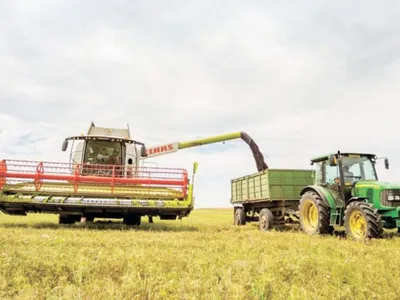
343	190
106	177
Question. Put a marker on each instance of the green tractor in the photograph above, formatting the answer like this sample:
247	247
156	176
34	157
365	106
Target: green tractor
346	192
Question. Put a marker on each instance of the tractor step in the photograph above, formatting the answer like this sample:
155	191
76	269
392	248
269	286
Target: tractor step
336	216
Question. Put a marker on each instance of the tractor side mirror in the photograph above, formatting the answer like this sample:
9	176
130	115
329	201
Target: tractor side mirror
64	145
387	163
143	152
332	160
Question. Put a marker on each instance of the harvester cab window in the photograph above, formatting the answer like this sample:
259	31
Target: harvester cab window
130	158
103	152
103	156
90	155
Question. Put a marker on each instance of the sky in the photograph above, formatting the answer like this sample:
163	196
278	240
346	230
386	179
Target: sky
302	78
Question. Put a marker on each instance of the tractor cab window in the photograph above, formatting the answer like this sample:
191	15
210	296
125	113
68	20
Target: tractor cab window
325	173
357	168
103	152
331	173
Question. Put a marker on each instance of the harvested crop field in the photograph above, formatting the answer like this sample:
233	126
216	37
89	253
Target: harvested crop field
201	257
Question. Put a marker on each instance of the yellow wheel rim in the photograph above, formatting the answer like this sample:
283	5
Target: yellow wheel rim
309	215
358	224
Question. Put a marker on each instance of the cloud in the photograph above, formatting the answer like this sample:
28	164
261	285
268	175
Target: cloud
300	79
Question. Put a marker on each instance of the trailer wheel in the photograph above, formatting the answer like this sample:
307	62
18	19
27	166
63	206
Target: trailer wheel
314	214
133	220
265	220
362	221
239	217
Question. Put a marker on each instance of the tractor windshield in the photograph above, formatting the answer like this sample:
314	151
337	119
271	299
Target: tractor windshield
103	152
357	168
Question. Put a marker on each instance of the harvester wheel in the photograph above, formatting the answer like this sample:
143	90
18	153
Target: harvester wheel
68	219
362	221
265	220
89	218
314	214
132	220
240	217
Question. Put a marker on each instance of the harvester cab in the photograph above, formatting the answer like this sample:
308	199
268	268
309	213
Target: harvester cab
105	146
347	192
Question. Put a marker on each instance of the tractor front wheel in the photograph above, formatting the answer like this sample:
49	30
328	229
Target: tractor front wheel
314	214
362	221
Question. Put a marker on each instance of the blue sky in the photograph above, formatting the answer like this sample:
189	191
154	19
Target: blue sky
302	78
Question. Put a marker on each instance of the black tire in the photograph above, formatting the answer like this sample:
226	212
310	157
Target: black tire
366	218
266	219
132	220
239	217
89	218
68	219
314	214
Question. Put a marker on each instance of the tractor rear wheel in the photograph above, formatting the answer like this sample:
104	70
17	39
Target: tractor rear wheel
362	221
265	219
314	214
239	217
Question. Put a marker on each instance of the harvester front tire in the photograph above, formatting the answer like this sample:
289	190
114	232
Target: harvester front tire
89	218
314	214
239	217
132	220
265	219
68	219
362	221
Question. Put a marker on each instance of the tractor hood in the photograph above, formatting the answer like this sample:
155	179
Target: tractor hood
375	184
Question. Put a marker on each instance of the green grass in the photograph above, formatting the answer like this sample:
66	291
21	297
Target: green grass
201	257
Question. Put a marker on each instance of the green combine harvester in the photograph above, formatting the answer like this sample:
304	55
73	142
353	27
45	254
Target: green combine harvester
343	190
107	176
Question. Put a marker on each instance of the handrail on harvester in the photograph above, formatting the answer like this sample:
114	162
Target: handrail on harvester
89	173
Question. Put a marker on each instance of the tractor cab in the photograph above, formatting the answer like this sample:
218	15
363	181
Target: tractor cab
103	151
342	171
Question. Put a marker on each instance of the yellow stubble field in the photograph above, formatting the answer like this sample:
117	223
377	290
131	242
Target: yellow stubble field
201	257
